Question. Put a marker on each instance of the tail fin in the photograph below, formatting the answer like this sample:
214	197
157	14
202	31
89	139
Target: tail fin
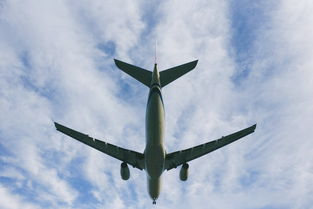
169	75
141	75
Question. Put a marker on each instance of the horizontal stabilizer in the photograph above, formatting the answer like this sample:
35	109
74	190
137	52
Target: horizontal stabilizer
169	75
140	74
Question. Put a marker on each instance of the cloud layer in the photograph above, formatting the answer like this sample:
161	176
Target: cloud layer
56	64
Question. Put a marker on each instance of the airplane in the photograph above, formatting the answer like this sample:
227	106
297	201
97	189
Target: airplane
154	160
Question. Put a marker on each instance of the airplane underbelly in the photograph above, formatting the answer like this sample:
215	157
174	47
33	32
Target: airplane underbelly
154	186
155	120
154	161
154	152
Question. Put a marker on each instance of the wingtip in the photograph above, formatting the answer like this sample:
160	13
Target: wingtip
117	63
56	125
254	127
195	63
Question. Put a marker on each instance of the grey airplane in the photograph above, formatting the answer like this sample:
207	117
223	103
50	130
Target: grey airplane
154	160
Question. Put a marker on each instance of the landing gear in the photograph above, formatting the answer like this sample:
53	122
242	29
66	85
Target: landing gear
154	202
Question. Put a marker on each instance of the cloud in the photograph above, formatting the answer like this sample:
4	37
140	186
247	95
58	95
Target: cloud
10	200
254	66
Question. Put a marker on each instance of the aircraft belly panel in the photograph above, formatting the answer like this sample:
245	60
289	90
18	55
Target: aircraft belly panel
155	120
154	152
154	186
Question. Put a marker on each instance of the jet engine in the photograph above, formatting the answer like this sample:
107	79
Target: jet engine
183	174
125	174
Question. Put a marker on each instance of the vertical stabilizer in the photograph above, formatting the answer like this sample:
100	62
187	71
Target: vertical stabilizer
155	52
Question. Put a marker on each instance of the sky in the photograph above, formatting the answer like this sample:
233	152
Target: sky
255	66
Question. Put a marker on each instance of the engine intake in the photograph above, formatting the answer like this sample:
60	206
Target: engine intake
183	174
125	174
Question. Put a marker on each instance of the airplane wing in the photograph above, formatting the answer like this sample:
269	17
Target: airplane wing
133	158
177	158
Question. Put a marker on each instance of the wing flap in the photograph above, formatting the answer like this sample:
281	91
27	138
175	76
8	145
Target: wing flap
177	158
133	158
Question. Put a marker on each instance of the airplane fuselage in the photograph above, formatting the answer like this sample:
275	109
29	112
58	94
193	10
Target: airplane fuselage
154	151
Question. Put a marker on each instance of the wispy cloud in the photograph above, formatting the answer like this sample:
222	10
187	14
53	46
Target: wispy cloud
255	63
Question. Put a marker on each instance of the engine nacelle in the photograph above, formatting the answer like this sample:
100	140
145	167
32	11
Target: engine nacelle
125	174
183	174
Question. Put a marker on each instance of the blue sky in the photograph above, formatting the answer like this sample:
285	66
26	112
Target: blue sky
56	64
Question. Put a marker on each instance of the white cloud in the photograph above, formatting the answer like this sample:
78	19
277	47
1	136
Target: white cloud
50	69
10	201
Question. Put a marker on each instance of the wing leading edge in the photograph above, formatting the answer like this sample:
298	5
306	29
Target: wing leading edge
133	158
177	158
